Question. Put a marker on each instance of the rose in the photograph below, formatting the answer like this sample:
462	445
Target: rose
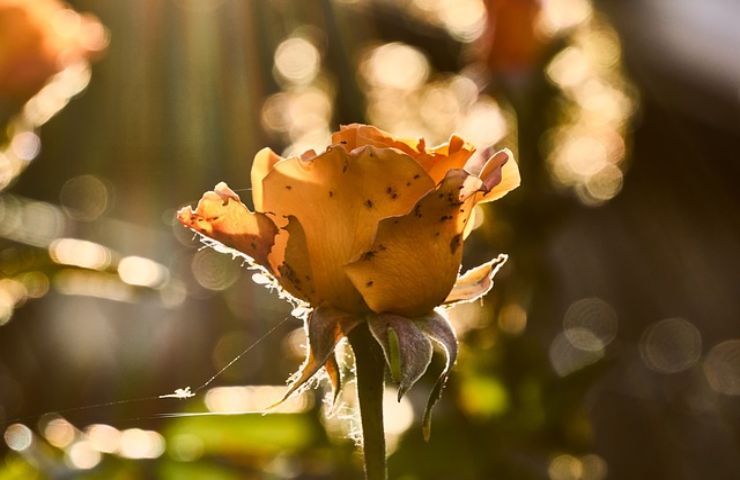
38	39
370	230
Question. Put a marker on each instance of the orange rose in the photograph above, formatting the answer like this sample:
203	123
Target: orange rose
39	38
370	230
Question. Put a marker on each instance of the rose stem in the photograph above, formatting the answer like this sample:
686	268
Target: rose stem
370	368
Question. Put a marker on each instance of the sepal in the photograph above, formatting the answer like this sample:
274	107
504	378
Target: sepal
407	350
438	329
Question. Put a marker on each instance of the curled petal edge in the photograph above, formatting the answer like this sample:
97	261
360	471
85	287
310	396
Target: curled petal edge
476	282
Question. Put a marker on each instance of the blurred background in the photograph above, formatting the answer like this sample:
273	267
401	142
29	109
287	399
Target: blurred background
609	348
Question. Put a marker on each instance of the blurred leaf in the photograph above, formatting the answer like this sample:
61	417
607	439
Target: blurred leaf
484	396
248	434
176	471
15	468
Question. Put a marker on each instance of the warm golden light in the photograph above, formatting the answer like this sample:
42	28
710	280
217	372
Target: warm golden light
560	15
466	317
12	294
569	68
35	283
30	222
484	123
18	437
396	65
59	432
80	253
297	60
405	97
83	456
142	272
254	399
569	467
512	319
397	416
25	146
45	48
92	284
137	443
586	150
6	310
463	19
103	438
565	467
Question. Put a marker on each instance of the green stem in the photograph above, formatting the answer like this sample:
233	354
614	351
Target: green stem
370	368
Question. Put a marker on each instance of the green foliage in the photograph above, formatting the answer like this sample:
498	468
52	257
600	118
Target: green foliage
253	434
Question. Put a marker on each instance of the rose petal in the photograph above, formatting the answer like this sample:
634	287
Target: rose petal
436	162
358	135
262	164
339	199
446	157
407	350
276	257
500	175
477	217
294	272
438	328
415	258
325	327
222	217
476	282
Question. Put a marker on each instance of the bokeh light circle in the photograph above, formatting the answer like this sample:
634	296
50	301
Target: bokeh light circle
18	437
590	324
214	271
297	60
83	456
722	367
396	65
85	197
566	359
671	345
